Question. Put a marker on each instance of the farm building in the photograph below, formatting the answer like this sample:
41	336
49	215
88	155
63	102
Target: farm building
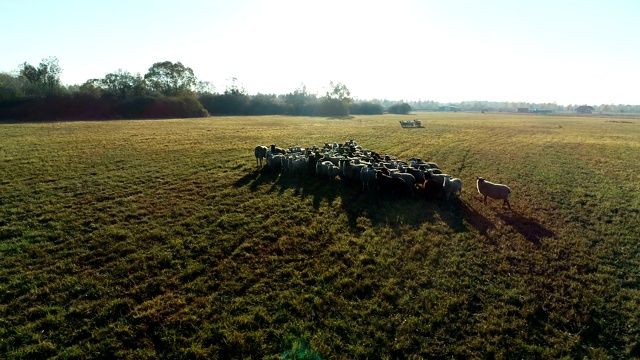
449	108
522	110
584	109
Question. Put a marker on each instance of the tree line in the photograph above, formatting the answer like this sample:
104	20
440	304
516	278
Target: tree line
167	90
172	90
506	106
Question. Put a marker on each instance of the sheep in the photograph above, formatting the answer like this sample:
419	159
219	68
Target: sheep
286	162
312	159
274	161
333	171
388	184
322	168
430	174
350	171
495	191
452	185
277	150
431	188
334	159
368	177
409	180
261	153
297	165
418	174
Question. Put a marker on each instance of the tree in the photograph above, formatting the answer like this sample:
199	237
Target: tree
336	101
366	108
400	108
170	79
122	84
205	87
92	87
300	101
340	92
11	87
43	80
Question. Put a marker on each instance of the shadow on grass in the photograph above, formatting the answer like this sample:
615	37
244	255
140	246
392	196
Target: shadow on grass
301	185
380	209
462	211
391	210
531	229
259	176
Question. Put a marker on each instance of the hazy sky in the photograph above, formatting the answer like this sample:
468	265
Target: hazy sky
569	52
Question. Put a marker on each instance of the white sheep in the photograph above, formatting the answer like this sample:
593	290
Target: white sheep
322	168
261	153
452	185
297	164
274	161
430	174
495	191
368	177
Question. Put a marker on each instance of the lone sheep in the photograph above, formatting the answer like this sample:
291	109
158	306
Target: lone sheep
495	191
261	153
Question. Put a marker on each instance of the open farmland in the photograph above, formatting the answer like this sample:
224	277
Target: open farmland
152	239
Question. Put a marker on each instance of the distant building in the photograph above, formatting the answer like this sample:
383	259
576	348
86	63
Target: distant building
585	109
523	110
449	108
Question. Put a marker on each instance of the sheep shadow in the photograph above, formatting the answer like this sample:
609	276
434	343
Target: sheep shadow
531	229
301	185
462	213
259	176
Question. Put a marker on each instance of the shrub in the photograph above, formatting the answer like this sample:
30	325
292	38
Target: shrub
400	108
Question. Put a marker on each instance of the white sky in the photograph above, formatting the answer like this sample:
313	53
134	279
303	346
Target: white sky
569	52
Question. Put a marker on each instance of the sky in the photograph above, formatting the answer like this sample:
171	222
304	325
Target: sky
536	51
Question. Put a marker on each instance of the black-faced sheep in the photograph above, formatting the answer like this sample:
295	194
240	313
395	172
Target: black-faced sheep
409	180
431	188
277	150
390	185
495	191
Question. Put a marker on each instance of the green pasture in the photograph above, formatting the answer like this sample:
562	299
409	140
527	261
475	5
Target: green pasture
162	239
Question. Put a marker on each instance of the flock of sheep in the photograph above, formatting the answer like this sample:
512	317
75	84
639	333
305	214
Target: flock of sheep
383	173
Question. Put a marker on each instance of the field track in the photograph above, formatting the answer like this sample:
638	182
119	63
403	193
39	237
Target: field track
162	239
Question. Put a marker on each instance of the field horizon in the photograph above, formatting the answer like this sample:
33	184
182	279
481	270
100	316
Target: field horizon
164	239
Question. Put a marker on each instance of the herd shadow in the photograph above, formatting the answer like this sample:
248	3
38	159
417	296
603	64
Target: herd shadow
356	203
458	214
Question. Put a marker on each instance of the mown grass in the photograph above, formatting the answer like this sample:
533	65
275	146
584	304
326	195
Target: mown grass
161	239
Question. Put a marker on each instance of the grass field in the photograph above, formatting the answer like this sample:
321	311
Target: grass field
161	239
